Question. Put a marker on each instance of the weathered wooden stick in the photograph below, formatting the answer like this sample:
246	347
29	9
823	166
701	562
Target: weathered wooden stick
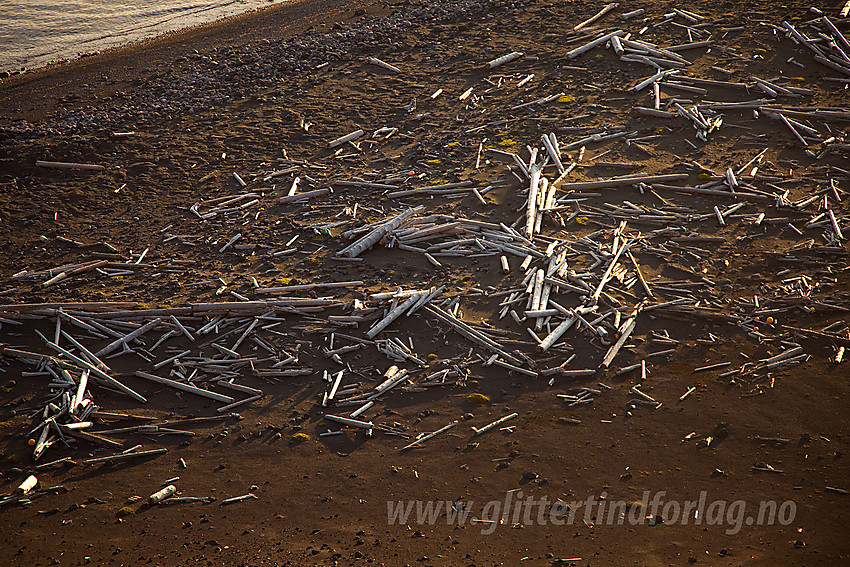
347	138
180	326
504	59
424	299
98	372
185	387
583	373
553	152
377	234
588	46
470	333
238	403
379	63
68	165
125	456
834	30
595	17
162	363
91	437
429	436
556	334
81	390
230	242
628	327
245	334
25	307
793	130
640	276
303	196
350	422
305	287
240	387
89	356
187	499
394	378
834	223
531	205
249	496
650	80
361	409
623	181
609	271
692	45
515	368
655	113
690	391
715	192
498	422
438	189
61	276
116	344
392	316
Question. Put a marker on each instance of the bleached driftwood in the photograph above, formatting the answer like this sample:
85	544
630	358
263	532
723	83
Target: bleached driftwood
185	387
68	165
116	344
347	138
588	46
429	436
377	62
125	456
303	196
595	17
377	234
504	59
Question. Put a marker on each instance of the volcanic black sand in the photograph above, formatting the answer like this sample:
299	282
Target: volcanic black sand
268	91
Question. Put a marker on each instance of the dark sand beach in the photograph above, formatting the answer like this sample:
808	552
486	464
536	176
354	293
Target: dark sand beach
727	384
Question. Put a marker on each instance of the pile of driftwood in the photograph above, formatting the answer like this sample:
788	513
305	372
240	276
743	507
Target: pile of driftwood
575	258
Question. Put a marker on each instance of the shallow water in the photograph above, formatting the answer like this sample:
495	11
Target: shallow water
34	33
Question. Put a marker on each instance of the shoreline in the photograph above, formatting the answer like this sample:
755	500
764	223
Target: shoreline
34	94
86	45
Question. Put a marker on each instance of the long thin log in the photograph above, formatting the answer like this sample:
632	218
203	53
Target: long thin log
185	387
596	16
99	373
610	270
588	46
622	181
392	316
640	276
628	327
376	235
531	206
470	333
714	192
306	287
347	138
504	59
350	422
68	165
125	456
429	436
303	196
24	307
116	344
445	188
